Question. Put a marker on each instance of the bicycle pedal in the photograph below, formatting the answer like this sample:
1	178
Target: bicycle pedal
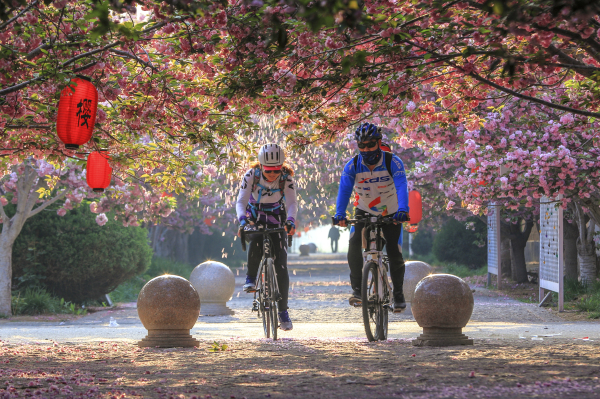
357	305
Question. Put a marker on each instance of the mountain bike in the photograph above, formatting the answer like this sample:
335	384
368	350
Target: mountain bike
267	293
376	291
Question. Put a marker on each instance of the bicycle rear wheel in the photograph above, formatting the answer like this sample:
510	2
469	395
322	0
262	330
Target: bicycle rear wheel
374	315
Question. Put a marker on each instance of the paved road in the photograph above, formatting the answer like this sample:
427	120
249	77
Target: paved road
319	309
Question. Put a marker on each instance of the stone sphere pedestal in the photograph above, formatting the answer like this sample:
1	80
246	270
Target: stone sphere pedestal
304	250
415	271
442	304
168	307
215	284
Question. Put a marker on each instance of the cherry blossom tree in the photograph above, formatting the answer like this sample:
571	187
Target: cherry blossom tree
477	84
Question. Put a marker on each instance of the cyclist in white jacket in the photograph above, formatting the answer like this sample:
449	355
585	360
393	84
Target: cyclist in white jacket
268	196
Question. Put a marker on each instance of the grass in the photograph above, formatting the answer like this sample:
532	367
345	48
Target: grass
584	297
129	290
461	271
36	301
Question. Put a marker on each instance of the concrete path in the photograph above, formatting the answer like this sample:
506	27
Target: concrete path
319	309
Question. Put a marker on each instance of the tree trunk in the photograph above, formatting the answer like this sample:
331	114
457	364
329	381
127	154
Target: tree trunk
571	233
5	276
518	241
505	256
27	183
168	243
586	248
587	260
519	266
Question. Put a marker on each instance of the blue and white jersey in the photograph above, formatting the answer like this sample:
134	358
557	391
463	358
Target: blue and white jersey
378	192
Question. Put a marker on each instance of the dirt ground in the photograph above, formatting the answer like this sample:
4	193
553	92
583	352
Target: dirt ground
304	368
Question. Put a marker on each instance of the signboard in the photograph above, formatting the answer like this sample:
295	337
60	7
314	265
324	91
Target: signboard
551	271
493	243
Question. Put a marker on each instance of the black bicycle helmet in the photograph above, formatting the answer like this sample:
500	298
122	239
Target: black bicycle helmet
367	131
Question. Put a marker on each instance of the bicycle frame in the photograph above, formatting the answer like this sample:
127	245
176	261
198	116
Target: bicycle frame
267	244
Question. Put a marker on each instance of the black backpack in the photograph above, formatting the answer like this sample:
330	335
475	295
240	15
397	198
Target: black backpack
387	160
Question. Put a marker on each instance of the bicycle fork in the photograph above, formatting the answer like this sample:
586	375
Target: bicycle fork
375	256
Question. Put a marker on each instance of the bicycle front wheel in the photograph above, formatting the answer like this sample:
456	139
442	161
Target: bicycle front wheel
264	300
372	304
274	294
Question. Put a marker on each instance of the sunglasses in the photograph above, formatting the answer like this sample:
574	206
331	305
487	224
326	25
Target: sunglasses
370	144
272	171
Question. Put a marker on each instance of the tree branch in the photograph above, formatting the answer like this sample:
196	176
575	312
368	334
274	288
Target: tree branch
4	25
587	72
133	57
83	55
28	126
5	218
533	99
590	44
46	204
86	66
20	86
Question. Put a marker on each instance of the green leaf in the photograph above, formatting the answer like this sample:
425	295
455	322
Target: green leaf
385	89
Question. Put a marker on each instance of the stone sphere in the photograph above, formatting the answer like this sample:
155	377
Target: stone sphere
214	282
415	272
168	303
443	301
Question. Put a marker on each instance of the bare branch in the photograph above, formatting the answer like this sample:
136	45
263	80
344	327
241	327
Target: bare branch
46	204
5	218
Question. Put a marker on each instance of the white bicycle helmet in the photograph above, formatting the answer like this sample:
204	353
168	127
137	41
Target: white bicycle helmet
271	155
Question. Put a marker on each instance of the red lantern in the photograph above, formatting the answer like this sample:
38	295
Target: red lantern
99	172
77	112
209	220
416	207
412	228
482	182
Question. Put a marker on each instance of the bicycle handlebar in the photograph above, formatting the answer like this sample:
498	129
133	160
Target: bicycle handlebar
367	219
243	233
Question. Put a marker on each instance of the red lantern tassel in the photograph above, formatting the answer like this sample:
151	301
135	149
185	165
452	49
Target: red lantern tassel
77	112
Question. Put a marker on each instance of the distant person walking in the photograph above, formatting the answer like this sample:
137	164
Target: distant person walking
334	235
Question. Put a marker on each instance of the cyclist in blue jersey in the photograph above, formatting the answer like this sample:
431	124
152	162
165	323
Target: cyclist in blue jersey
379	179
